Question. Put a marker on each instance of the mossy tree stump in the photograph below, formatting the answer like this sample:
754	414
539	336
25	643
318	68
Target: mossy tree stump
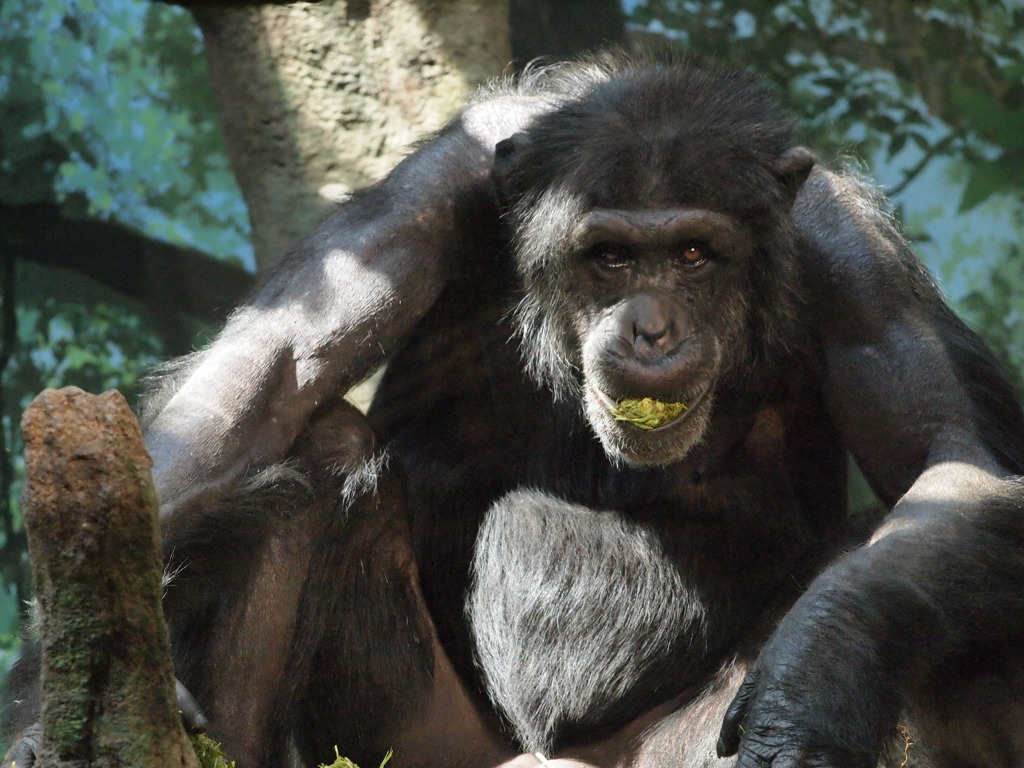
91	513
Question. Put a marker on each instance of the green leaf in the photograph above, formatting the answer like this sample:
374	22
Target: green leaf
985	114
990	177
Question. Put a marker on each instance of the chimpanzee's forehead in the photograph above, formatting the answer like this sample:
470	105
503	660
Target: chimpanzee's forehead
681	169
666	170
651	139
665	103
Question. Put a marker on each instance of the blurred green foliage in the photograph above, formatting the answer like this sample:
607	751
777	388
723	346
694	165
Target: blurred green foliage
107	109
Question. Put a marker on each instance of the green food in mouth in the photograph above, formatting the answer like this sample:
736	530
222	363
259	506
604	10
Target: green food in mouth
647	413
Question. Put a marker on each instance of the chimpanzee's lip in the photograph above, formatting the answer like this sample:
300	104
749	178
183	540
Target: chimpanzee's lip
606	401
612	405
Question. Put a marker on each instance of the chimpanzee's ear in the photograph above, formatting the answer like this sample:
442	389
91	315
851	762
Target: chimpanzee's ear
508	155
793	167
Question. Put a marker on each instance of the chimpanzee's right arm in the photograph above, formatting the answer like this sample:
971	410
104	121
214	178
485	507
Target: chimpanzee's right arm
331	312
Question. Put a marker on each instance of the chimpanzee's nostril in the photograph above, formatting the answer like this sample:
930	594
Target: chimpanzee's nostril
653	327
648	335
652	340
649	325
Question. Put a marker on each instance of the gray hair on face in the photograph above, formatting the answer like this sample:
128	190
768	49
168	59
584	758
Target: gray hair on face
544	317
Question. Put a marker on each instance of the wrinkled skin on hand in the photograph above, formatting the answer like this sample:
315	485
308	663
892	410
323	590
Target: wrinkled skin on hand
23	751
820	693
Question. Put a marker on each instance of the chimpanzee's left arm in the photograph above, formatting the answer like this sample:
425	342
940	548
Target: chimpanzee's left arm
938	431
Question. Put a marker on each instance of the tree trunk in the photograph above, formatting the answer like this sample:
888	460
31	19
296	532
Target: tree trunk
91	513
319	99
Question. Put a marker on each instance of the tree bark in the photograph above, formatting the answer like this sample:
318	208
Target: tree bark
91	512
319	99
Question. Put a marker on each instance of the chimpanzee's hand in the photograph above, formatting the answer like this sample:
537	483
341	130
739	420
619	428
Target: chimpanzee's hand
24	748
818	695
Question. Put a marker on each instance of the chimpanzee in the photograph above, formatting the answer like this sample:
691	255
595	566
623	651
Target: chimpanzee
598	510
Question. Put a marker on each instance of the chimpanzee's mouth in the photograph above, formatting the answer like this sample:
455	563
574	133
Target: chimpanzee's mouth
647	413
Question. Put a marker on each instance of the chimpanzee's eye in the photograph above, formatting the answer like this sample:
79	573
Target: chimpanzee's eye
610	255
694	253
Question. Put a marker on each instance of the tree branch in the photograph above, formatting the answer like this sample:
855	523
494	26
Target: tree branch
158	274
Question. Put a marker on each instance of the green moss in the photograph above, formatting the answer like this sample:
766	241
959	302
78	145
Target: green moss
210	753
647	413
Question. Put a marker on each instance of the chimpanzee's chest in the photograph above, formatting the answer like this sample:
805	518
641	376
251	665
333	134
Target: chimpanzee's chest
583	618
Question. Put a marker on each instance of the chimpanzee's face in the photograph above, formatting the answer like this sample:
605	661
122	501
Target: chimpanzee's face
648	306
659	297
651	233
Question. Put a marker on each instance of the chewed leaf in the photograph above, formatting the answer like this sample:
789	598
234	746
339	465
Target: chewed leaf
344	762
647	413
210	753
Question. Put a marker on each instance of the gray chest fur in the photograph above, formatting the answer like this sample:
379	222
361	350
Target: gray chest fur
570	610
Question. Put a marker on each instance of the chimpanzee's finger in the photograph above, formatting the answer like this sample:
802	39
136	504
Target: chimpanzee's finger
192	716
732	724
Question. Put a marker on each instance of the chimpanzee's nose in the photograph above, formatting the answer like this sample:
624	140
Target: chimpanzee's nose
654	331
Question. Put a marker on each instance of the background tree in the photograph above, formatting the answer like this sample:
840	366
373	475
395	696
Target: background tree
317	100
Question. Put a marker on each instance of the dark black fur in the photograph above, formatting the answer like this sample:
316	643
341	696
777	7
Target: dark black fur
493	564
